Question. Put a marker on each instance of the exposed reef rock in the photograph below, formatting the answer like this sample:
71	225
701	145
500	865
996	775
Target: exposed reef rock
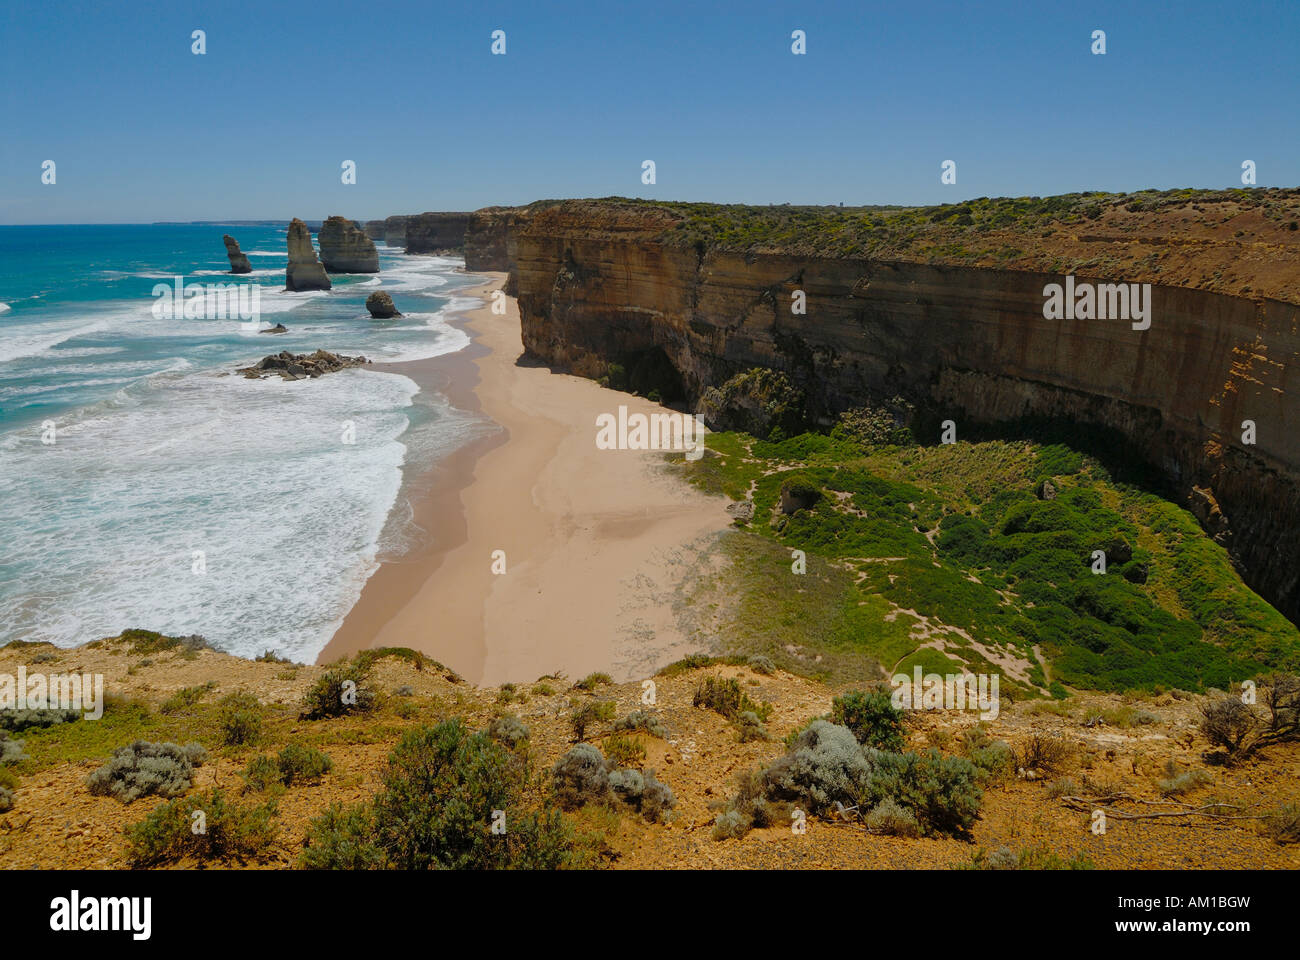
304	271
238	261
956	332
436	232
278	328
297	366
346	249
380	305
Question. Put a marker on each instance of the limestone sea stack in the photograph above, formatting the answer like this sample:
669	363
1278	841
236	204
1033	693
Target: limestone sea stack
238	261
346	249
381	306
305	272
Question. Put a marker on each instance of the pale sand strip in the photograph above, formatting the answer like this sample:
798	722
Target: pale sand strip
596	541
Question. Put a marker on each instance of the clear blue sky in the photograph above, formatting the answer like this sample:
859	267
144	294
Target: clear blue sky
141	129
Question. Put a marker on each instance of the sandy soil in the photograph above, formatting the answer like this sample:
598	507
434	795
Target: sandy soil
596	542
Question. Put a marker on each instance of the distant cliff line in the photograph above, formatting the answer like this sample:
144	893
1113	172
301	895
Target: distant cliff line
944	306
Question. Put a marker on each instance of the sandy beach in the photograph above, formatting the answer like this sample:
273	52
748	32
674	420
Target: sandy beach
597	543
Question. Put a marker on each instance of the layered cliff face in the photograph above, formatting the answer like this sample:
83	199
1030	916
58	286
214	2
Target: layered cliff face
304	271
602	281
491	238
395	231
346	249
374	229
436	232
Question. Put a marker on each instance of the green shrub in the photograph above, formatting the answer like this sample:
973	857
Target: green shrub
723	695
761	664
301	764
645	721
592	681
750	727
169	834
239	719
826	765
580	777
145	769
892	819
643	792
185	698
871	716
623	751
509	730
338	692
1283	824
942	792
16	721
11	751
588	712
262	773
443	789
1176	783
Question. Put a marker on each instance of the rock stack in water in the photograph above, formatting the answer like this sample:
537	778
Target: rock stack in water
346	249
298	366
305	272
381	306
238	261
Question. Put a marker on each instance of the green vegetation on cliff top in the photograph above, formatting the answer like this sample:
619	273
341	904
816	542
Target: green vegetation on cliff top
982	229
955	554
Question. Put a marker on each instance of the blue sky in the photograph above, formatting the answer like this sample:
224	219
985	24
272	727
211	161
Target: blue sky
141	129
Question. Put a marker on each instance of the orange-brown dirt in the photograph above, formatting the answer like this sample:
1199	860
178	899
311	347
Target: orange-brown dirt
57	823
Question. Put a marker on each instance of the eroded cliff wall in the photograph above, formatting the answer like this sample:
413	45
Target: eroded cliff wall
967	343
435	232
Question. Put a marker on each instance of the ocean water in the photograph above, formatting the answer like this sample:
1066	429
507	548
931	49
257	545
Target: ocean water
178	496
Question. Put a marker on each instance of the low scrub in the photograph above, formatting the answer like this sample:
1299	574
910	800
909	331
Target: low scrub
872	717
723	695
584	776
202	827
587	713
645	722
827	771
239	718
16	721
147	769
451	799
294	764
339	692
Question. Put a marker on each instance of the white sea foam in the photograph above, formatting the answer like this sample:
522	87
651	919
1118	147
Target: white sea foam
253	473
4	308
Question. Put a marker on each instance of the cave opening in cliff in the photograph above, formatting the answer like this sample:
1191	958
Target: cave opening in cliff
649	373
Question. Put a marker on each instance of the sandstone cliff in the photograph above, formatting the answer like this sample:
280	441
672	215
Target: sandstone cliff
436	232
374	229
238	261
952	318
395	231
345	249
304	271
491	238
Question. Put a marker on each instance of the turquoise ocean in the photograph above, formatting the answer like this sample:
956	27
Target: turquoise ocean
181	497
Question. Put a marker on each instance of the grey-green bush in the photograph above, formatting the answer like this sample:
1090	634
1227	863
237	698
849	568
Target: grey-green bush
643	720
580	777
825	765
145	769
508	729
890	818
650	796
17	721
942	792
